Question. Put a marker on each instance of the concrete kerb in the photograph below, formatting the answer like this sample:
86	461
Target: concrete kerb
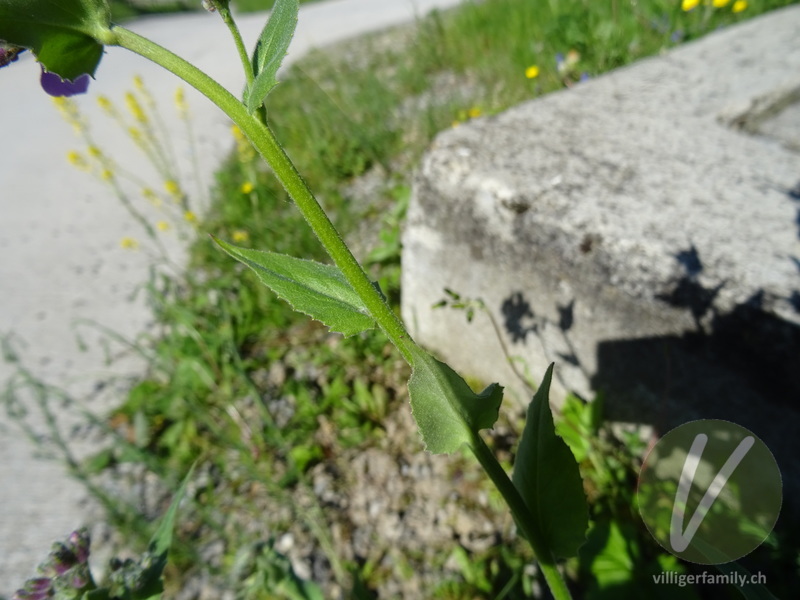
639	229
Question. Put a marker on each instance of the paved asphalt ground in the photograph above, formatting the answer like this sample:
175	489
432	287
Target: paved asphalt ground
60	258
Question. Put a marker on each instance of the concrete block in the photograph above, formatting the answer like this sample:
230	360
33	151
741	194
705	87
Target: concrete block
641	230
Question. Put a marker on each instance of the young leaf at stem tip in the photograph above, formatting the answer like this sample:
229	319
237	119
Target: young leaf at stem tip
448	413
320	291
270	50
547	477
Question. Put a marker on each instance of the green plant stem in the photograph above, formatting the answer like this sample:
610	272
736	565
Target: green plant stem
227	18
267	145
522	516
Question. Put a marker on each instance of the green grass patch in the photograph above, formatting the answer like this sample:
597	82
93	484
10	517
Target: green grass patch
263	396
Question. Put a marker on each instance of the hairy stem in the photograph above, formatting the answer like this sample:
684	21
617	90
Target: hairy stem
227	18
522	516
267	145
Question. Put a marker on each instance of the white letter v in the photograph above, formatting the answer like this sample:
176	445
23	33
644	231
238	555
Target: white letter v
678	539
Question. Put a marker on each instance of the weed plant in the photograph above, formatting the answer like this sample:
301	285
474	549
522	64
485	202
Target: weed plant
241	381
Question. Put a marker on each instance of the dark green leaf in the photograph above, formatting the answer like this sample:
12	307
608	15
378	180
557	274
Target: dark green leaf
270	50
446	410
547	477
63	34
318	290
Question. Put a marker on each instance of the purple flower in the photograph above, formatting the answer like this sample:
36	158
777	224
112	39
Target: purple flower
38	588
60	560
79	542
56	86
23	595
38	584
79	580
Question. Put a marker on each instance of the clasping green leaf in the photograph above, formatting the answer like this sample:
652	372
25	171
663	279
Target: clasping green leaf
67	36
270	50
320	291
547	477
448	413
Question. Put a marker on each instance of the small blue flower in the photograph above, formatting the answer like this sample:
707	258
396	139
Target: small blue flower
56	86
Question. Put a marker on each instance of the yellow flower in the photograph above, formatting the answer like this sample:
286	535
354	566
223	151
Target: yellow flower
474	112
135	133
70	113
240	235
247	187
136	110
532	72
180	101
720	3
77	160
138	83
162	226
687	5
129	243
739	6
95	152
104	103
190	216
172	187
106	175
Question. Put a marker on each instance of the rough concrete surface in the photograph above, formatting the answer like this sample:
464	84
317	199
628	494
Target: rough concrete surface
60	259
640	230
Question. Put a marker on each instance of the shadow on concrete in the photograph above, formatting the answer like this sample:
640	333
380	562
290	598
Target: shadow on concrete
742	366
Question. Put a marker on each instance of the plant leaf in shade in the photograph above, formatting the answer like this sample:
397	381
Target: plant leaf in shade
547	477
